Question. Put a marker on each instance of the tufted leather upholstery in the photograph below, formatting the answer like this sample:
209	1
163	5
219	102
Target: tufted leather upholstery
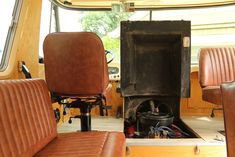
89	144
216	66
28	126
228	97
27	120
75	64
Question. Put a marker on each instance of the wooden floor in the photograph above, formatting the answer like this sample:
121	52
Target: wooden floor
97	123
207	128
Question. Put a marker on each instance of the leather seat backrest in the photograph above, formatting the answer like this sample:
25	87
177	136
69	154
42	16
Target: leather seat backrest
75	63
27	121
228	99
216	65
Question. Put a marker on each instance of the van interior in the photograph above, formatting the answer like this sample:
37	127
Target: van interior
134	78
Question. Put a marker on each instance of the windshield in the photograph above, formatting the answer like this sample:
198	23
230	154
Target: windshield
210	27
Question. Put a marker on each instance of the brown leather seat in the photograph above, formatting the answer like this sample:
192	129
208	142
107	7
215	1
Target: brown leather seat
76	66
216	66
85	144
28	127
228	99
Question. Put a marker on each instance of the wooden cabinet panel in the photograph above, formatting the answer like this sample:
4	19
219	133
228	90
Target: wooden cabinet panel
195	105
116	100
176	151
195	100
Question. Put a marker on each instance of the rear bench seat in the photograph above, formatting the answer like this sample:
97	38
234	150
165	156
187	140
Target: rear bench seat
28	127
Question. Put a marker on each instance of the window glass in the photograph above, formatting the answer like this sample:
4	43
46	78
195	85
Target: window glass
211	27
6	18
106	24
47	23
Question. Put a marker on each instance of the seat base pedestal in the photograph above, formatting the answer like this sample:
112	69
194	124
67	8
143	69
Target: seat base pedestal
85	117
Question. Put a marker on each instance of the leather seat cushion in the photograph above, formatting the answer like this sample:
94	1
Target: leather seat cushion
85	144
212	94
228	97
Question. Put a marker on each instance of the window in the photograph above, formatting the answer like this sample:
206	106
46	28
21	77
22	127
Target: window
10	14
47	23
104	23
211	26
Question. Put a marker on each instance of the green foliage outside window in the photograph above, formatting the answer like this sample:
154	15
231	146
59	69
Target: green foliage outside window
102	23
